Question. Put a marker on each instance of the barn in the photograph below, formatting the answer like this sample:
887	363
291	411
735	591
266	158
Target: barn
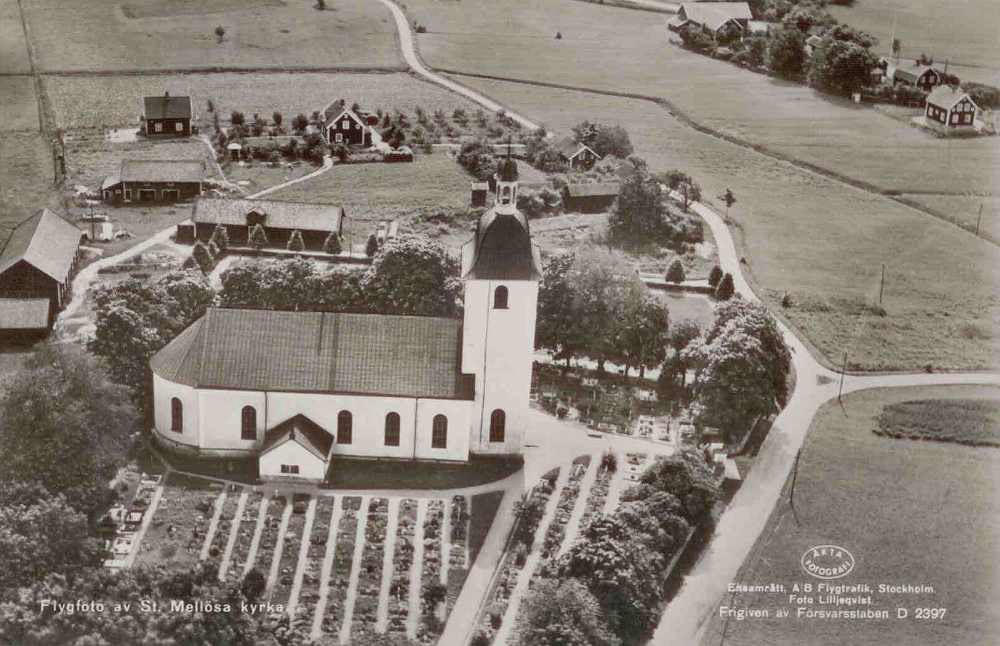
166	116
148	181
346	127
590	198
278	218
577	156
712	16
37	264
950	108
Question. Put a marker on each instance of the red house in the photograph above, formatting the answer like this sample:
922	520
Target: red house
951	108
166	116
346	127
578	156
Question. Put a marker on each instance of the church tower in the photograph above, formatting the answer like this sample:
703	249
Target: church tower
501	268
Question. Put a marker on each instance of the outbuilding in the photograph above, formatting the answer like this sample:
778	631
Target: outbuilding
297	448
912	73
149	181
278	218
590	198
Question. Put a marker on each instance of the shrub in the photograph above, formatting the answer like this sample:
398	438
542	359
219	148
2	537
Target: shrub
257	237
220	236
277	118
209	106
725	289
295	242
715	276
675	273
203	257
609	461
213	250
371	246
236	118
300	122
332	244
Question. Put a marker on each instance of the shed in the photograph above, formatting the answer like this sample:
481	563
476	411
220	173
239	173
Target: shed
479	192
278	218
590	198
296	448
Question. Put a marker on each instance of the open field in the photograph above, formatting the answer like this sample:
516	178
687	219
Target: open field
151	34
819	240
85	102
25	177
18	107
965	209
965	33
90	157
628	51
917	513
13	47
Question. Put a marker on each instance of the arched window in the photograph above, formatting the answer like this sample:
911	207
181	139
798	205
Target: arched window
176	415
345	422
392	429
500	298
498	424
248	423
505	195
439	432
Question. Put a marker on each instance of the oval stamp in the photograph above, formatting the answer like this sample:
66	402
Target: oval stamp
827	562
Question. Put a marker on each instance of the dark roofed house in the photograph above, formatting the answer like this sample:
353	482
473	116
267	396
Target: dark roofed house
166	116
590	198
278	218
712	16
154	180
912	73
37	264
577	155
950	108
345	127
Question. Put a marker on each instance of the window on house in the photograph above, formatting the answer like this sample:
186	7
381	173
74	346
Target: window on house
505	195
158	127
338	137
345	423
346	125
500	298
179	127
498	424
176	415
248	423
392	429
439	432
290	469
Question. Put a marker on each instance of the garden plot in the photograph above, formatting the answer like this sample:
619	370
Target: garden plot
371	566
333	612
291	544
458	553
599	490
312	574
432	613
269	538
176	532
402	561
245	531
224	524
151	35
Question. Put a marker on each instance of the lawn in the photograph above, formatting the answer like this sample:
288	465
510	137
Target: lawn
19	108
262	175
153	34
87	102
917	513
687	307
818	240
962	36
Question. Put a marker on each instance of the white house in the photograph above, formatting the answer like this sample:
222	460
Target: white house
298	388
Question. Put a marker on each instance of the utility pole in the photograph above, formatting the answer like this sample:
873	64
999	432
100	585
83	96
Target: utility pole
843	369
881	285
979	218
791	494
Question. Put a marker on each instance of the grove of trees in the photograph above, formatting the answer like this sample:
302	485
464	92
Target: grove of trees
640	219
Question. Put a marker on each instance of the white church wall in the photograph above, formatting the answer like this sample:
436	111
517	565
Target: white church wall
163	392
458	414
292	453
221	419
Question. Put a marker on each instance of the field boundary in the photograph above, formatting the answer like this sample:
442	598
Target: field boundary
682	117
172	71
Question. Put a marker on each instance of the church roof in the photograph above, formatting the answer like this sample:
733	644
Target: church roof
365	354
316	439
501	249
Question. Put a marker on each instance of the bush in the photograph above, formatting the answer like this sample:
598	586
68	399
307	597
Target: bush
203	257
697	39
220	237
715	276
295	242
277	118
257	237
725	289
675	273
371	246
332	244
609	461
237	118
300	122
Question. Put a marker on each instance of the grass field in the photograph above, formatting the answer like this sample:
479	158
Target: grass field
116	101
98	35
965	421
965	209
25	177
19	107
13	48
90	157
918	513
965	33
821	241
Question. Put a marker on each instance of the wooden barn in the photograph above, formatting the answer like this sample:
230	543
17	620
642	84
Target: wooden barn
590	198
37	264
950	108
279	219
149	181
346	127
166	116
577	155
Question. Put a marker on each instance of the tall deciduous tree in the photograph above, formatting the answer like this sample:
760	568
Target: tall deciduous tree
841	67
563	612
412	275
786	54
636	218
641	337
65	426
557	329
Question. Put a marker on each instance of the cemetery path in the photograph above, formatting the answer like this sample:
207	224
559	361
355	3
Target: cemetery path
234	532
573	524
279	547
389	550
416	571
213	524
331	552
147	518
446	540
352	584
258	529
300	563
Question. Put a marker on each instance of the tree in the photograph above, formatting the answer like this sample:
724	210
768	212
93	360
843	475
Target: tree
786	54
725	290
804	17
341	152
332	244
237	118
220	236
277	118
557	326
696	38
687	477
841	67
636	218
41	534
476	157
684	184
753	52
558	612
257	237
254	584
371	246
300	122
295	242
850	34
203	257
411	275
715	276
65	426
729	198
433	595
675	273
641	334
220	33
612	140
729	33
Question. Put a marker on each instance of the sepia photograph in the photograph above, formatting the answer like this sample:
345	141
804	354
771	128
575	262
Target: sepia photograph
499	323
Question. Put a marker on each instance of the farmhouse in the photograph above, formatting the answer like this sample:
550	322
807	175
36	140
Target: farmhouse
711	16
951	108
296	389
279	219
577	155
166	116
346	127
37	264
590	198
154	180
913	73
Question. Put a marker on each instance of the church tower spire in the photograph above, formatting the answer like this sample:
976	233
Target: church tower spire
506	180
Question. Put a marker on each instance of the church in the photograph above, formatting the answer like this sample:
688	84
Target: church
296	389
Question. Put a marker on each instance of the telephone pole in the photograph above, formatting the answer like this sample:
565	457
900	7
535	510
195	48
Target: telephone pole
881	285
843	369
979	218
